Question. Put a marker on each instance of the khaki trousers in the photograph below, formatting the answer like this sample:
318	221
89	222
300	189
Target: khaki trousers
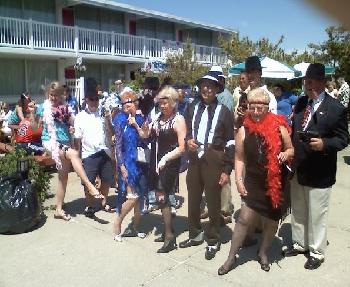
309	217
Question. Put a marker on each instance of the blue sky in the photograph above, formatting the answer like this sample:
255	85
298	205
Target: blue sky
299	22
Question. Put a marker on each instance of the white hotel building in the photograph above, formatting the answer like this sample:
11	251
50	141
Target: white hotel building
40	41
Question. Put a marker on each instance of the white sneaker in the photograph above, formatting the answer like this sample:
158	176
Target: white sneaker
118	238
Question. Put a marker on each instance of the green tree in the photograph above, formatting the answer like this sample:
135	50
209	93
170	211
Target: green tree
335	50
182	67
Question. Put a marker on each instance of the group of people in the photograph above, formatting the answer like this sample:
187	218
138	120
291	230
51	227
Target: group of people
140	142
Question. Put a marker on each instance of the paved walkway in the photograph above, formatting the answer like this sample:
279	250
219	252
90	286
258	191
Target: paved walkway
82	253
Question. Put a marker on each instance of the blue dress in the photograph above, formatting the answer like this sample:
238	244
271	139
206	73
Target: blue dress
127	141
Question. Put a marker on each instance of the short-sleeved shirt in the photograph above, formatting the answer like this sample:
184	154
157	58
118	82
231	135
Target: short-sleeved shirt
89	127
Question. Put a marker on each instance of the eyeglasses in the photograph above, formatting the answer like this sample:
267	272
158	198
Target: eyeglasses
259	109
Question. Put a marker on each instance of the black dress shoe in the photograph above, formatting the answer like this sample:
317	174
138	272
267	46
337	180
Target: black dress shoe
169	245
293	252
211	250
313	263
190	242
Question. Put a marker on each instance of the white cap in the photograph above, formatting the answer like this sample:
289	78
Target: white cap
216	69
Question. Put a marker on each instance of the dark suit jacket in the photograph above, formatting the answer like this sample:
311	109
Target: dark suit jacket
318	168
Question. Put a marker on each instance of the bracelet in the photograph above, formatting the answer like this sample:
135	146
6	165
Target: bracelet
239	179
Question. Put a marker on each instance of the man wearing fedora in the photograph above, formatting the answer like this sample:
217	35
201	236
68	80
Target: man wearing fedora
253	69
210	151
91	137
225	98
319	131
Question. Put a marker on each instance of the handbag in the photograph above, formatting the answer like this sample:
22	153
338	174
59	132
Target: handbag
143	155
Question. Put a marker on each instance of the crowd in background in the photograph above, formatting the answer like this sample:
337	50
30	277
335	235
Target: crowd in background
139	142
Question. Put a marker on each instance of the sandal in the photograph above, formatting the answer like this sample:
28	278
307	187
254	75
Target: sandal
62	215
263	266
106	207
225	269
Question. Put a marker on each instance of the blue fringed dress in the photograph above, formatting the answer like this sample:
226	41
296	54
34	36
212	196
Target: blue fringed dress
126	142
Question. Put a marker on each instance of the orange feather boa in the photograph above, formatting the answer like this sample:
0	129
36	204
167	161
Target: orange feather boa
268	128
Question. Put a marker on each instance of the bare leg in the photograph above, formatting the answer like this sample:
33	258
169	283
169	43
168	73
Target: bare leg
137	215
246	216
269	231
61	190
126	207
73	156
104	189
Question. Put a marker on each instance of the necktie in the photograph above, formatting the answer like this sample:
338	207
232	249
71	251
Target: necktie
307	113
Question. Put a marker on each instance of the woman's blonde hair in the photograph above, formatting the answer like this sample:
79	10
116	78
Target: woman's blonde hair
169	94
55	88
258	95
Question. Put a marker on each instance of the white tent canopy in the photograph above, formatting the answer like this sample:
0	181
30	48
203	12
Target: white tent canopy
276	70
302	67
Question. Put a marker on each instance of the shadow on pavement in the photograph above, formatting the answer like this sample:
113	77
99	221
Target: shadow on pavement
347	159
41	222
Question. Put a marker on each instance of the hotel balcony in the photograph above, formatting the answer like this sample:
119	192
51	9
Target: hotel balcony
32	37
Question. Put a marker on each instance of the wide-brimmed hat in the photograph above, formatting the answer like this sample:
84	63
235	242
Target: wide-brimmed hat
118	82
316	71
253	64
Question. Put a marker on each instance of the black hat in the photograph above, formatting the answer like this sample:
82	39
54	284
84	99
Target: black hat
253	64
90	88
152	83
316	71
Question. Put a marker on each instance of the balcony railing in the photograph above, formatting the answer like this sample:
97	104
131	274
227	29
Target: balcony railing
44	36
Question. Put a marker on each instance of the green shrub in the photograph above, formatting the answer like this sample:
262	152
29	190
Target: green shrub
40	179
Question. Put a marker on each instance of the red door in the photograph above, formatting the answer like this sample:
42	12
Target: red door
69	73
132	27
180	35
68	16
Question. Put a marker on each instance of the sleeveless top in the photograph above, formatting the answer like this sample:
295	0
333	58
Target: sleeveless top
166	140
